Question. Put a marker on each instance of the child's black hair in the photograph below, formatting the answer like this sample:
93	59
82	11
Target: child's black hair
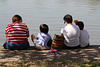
80	24
44	28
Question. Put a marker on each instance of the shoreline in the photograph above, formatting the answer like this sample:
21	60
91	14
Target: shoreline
34	56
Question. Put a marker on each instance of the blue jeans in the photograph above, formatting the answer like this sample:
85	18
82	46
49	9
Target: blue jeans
14	46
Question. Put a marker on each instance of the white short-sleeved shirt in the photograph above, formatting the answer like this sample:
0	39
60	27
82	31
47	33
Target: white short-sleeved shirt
43	39
71	34
84	38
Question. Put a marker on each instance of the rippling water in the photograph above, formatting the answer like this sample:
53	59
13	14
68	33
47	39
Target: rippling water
51	12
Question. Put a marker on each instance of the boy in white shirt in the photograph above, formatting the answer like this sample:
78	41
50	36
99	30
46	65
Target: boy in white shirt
84	36
70	33
43	39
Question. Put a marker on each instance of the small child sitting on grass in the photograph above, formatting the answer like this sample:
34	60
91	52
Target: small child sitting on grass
43	39
84	36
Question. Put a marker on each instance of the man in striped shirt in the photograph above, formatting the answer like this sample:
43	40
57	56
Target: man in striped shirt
17	34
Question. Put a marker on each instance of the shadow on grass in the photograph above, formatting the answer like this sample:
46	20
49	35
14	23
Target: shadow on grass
66	55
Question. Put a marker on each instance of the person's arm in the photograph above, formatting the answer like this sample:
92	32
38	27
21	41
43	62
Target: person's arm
49	43
27	34
32	37
62	30
6	35
62	35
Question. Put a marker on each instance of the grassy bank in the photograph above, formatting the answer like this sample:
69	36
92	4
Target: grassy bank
88	57
64	63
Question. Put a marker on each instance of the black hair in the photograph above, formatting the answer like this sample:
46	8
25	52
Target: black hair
68	18
44	28
80	24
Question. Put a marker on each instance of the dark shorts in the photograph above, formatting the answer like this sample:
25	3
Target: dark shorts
15	46
75	47
67	47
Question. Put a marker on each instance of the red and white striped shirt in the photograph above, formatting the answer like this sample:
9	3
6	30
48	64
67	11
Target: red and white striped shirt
17	32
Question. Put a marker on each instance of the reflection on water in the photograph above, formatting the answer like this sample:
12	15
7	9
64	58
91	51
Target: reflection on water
94	5
51	12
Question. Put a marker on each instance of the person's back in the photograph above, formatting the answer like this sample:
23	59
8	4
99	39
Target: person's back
43	39
17	34
84	36
70	32
71	35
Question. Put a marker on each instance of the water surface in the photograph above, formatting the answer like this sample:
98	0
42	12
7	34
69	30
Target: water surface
51	12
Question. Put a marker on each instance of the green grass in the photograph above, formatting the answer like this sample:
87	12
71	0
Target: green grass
92	63
66	63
